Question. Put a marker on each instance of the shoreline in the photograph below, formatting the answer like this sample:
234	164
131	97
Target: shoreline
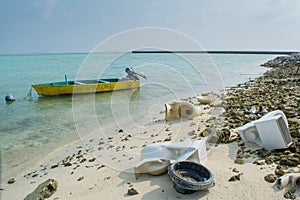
104	165
19	167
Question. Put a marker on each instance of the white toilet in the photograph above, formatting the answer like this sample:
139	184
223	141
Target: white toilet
177	110
270	131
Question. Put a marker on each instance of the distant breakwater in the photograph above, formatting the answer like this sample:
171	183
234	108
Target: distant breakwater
221	52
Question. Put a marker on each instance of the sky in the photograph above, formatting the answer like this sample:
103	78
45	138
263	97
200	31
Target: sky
34	26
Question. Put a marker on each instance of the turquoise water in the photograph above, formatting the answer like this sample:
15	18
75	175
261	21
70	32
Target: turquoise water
35	126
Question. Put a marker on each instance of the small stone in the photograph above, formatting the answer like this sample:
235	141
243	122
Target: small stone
287	152
289	195
67	164
263	153
281	171
271	159
80	178
54	166
101	166
241	144
120	130
235	170
240	153
204	133
271	178
290	161
132	191
239	161
235	177
11	181
76	167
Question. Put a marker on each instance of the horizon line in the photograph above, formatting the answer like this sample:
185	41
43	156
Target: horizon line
274	52
288	52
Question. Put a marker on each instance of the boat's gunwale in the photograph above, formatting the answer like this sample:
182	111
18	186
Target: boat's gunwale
82	82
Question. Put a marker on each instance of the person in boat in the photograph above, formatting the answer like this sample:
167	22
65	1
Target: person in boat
131	75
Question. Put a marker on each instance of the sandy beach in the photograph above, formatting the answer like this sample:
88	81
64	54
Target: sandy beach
101	167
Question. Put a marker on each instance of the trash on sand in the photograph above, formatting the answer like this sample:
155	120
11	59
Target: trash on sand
177	110
292	178
156	157
132	191
189	177
270	131
44	191
206	98
254	110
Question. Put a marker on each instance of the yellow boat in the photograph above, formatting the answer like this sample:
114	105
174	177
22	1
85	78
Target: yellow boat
84	86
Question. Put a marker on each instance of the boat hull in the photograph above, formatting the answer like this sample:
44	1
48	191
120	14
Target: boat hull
81	87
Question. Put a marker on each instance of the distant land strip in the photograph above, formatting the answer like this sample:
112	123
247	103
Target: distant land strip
220	52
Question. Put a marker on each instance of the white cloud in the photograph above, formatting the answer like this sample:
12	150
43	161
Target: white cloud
50	5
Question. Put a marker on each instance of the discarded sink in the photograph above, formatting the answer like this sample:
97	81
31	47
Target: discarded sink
177	110
292	179
189	177
156	157
270	131
206	98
